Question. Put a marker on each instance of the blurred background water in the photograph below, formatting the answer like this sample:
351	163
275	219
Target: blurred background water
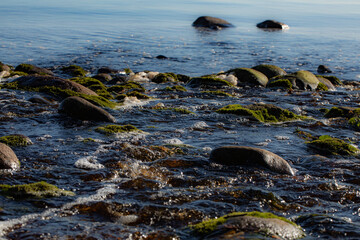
119	34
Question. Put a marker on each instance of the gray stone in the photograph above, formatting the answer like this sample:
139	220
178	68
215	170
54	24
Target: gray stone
250	76
327	83
80	108
250	156
211	23
8	159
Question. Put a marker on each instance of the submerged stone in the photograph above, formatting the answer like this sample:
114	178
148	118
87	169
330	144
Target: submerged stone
345	112
333	146
272	24
269	70
211	23
8	159
39	190
250	156
31	69
261	112
249	76
16	140
261	223
80	108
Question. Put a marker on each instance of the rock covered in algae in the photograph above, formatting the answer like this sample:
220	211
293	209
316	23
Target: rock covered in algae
269	70
305	80
15	140
113	129
236	225
74	70
31	69
250	156
333	146
261	112
249	76
38	189
80	108
8	159
209	82
211	23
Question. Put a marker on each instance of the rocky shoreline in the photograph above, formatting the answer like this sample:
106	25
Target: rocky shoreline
83	97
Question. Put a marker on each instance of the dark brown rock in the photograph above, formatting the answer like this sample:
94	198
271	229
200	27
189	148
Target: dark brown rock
31	69
272	24
8	159
211	22
43	81
103	77
250	156
323	69
107	70
80	108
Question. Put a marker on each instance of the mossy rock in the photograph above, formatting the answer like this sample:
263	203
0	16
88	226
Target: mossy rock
17	73
176	88
262	223
31	69
249	76
138	95
94	85
113	129
261	112
37	190
345	112
16	140
121	88
165	77
218	93
269	70
322	87
355	122
334	80
333	146
305	80
4	67
183	78
209	82
325	84
75	71
281	83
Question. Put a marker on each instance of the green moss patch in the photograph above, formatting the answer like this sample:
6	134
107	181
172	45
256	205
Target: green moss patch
208	226
322	87
75	71
281	83
94	85
346	112
176	88
209	82
334	80
218	93
261	112
122	88
138	95
113	129
165	77
38	190
333	146
15	140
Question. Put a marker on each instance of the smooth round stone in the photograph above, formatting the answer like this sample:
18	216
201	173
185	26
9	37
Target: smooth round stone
8	159
211	23
272	24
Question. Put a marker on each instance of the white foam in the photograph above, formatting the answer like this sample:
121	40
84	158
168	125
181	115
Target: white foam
173	141
88	163
130	102
200	126
282	137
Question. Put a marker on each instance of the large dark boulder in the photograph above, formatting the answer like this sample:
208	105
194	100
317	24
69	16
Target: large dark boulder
269	70
211	23
78	107
31	69
250	156
8	159
272	24
49	81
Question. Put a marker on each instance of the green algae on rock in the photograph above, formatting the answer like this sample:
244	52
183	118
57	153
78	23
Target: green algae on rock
94	85
165	77
269	70
16	140
218	93
249	76
138	95
261	112
176	88
75	71
346	112
322	87
334	80
333	146
305	80
38	190
31	69
280	83
264	223
113	129
130	85
206	82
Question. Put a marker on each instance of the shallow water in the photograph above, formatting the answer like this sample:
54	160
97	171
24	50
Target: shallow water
124	188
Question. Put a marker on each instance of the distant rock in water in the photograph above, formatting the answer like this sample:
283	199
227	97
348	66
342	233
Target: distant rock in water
272	24
211	22
8	159
80	108
250	156
323	69
161	57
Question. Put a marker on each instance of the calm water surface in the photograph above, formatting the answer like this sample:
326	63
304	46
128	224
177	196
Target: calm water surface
120	194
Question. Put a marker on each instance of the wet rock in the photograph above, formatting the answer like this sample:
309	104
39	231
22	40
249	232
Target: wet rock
16	140
113	129
250	156
327	83
211	23
75	71
272	24
333	146
31	69
161	57
334	80
93	84
80	108
208	82
270	70
39	99
305	80
323	69
107	70
8	159
165	77
48	81
103	77
346	112
237	225
4	67
280	83
250	76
